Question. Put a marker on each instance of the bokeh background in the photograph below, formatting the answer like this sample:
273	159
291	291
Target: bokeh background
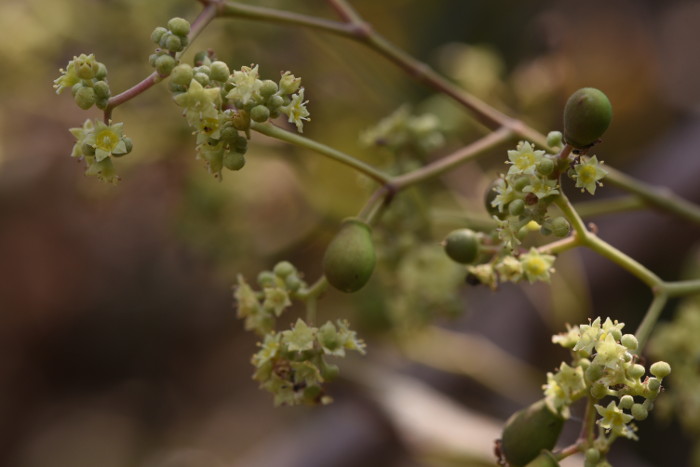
119	345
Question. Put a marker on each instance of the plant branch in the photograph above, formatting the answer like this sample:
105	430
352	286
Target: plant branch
298	140
450	161
650	318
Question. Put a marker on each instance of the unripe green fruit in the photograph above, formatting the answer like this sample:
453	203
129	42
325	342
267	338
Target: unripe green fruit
219	71
182	75
85	97
179	26
587	115
234	160
165	64
545	459
157	34
349	259
528	432
259	113
462	245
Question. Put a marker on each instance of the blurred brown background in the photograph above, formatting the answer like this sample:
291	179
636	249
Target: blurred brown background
118	342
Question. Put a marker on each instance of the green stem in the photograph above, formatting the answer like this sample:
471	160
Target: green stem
675	289
298	140
650	319
450	161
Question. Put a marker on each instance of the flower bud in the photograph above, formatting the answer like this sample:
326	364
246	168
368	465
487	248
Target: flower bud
639	412
462	245
283	269
165	64
528	432
349	259
182	75
626	402
85	97
259	113
636	371
516	207
158	33
587	115
219	71
545	166
102	89
233	160
554	139
289	84
660	369
101	72
268	88
179	26
275	101
172	42
560	227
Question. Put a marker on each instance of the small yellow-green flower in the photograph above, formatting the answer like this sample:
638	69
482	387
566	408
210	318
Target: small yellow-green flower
564	388
106	140
588	174
246	88
509	269
615	420
537	266
296	110
542	187
524	159
199	103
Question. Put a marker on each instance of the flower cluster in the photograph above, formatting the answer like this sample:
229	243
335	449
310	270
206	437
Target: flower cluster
532	265
402	130
170	40
291	364
220	105
97	143
604	367
87	80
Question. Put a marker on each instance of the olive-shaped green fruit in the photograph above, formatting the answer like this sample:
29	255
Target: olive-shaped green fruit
545	459
529	431
462	245
587	115
349	259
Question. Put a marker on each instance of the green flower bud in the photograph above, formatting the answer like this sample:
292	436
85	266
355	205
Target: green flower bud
158	33
259	113
639	412
102	89
202	58
545	459
268	88
636	371
233	160
101	72
516	207
629	341
594	373
554	139
240	144
172	42
529	431
266	279
85	97
592	455
292	282
329	371
229	134
179	26
587	115
560	227
349	259
462	245
521	182
660	369
654	385
275	101
182	75
203	78
165	64
545	166
284	269
599	390
626	402
219	71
